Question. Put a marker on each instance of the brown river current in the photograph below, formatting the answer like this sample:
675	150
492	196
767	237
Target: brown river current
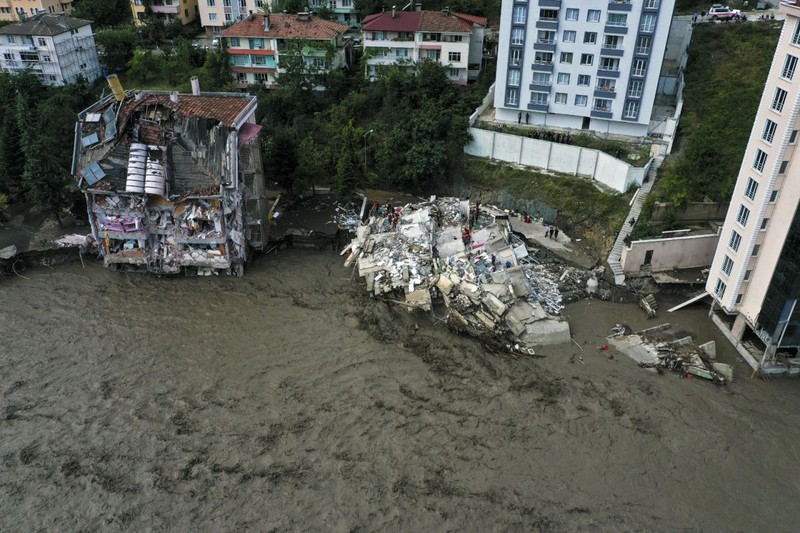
288	400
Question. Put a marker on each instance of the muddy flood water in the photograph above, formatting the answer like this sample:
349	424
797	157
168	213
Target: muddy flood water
288	400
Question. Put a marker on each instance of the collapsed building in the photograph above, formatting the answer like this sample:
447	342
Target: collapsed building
173	182
488	283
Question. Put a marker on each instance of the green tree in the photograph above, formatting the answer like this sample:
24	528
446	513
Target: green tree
103	13
216	73
117	46
348	167
145	65
280	158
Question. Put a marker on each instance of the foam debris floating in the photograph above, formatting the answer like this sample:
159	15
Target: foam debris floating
421	254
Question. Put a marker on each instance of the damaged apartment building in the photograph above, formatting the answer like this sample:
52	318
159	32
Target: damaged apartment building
173	182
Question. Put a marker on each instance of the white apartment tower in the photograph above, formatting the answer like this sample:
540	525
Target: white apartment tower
581	64
755	276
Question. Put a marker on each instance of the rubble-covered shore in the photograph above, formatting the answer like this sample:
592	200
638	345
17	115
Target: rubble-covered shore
466	259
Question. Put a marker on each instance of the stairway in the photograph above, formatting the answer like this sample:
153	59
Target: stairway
636	209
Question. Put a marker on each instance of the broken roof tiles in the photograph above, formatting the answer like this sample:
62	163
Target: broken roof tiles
286	26
225	108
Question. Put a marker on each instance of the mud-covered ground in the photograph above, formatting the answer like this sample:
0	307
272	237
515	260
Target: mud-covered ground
287	400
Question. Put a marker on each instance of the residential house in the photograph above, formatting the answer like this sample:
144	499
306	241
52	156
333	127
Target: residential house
581	64
755	275
56	48
216	14
20	10
344	11
165	10
255	45
173	182
406	37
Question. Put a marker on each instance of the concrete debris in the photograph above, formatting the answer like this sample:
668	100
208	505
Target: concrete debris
440	251
8	252
648	304
655	348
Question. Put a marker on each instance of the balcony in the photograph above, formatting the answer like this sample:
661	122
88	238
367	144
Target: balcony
169	7
542	65
533	106
642	50
605	91
602	112
545	45
541	86
620	6
610	51
549	3
608	71
547	24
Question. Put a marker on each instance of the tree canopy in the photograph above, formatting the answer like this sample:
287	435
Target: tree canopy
103	13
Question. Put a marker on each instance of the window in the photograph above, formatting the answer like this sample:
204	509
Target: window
631	110
609	63
778	99
602	104
46	58
581	100
572	14
727	265
739	299
10	39
262	76
793	137
764	223
539	98
747	275
256	44
752	187
756	249
543	58
617	19
735	241
587	59
548	14
796	35
769	131
452	38
212	16
635	88
606	84
517	36
513	77
639	67
228	17
743	215
569	36
520	14
612	41
561	98
243	4
593	15
512	97
403	53
651	4
234	41
584	80
546	37
773	196
515	58
566	57
226	3
760	160
454	73
8	56
541	78
643	45
648	24
719	290
41	42
454	56
782	170
789	66
589	37
259	3
563	78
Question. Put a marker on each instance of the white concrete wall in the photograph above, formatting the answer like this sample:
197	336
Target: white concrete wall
555	157
668	254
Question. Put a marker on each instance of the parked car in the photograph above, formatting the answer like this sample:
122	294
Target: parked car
215	41
720	12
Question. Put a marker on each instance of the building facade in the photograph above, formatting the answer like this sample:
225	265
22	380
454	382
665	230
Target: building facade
408	37
256	44
344	11
581	64
173	182
755	276
56	48
20	10
166	10
216	14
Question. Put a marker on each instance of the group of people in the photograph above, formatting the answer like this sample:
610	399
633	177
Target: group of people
551	232
552	136
527	118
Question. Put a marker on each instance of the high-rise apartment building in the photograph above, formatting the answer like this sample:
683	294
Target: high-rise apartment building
165	10
581	64
216	14
755	276
24	9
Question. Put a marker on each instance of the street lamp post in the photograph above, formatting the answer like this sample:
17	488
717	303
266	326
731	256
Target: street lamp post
365	158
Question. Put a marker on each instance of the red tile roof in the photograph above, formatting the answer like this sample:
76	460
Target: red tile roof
403	21
226	109
284	26
483	21
414	21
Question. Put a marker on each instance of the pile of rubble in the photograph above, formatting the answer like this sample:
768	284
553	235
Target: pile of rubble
466	258
652	348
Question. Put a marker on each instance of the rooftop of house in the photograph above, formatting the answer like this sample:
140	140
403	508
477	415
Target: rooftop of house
428	21
286	26
44	25
223	107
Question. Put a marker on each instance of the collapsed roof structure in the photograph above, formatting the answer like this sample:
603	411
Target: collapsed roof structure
487	282
173	182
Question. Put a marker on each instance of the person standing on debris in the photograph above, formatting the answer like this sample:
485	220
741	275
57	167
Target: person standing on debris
555	234
494	263
435	252
395	218
632	221
389	209
467	236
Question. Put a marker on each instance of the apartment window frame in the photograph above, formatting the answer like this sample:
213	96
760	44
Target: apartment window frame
565	57
581	100
743	215
747	275
539	98
631	109
572	14
760	160
584	80
764	224
561	98
517	36
727	265
587	60
779	99
756	250
519	15
793	137
617	19
563	78
515	57
514	77
796	34
784	166
735	240
569	36
789	67
647	24
512	97
542	78
590	37
632	88
593	15
751	188
719	289
454	57
773	197
639	68
768	134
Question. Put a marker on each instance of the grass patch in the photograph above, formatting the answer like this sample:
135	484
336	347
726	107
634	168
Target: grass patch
725	75
582	209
